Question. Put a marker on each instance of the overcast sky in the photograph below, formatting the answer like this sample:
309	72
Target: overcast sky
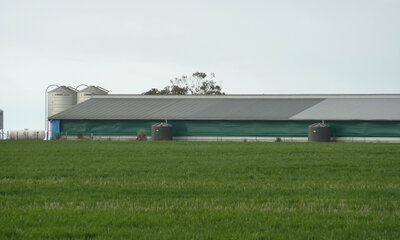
281	46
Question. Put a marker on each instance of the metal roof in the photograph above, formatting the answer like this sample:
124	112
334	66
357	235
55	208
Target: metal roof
237	107
63	89
353	109
94	89
253	96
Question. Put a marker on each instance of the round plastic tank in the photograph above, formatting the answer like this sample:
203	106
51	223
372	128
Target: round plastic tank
319	132
161	132
88	92
60	99
26	135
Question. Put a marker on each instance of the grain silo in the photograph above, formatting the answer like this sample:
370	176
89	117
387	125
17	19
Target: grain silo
61	99
1	119
1	125
88	92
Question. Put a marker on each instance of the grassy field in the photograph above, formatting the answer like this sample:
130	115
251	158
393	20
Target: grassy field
198	190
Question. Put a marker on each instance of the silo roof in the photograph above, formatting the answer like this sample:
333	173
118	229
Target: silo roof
63	89
94	89
237	107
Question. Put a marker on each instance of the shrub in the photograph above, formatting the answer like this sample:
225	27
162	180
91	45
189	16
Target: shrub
278	139
141	135
79	136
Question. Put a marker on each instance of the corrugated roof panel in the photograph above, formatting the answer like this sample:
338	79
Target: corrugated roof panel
186	108
353	109
271	109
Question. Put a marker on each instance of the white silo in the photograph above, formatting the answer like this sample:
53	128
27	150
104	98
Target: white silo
1	125
1	119
88	92
60	99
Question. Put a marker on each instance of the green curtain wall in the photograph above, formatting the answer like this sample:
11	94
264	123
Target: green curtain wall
230	128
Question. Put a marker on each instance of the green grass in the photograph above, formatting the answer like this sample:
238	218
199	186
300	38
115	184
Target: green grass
198	190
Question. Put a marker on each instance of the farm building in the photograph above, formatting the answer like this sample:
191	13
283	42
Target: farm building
233	117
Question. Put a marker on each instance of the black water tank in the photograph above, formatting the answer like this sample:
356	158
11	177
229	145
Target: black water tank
319	132
161	131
